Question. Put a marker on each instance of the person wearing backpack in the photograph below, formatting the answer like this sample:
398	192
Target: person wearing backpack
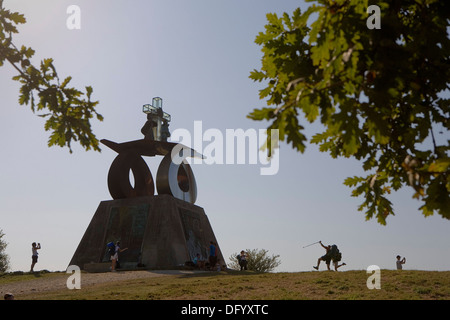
114	252
336	256
326	257
332	253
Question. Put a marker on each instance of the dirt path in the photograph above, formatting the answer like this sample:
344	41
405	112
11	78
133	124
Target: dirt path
60	281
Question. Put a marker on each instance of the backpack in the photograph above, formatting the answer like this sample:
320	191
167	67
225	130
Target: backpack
335	254
111	248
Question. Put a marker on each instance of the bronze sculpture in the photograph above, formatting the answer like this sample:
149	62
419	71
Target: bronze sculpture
173	177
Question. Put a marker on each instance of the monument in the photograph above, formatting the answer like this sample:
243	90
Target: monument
161	231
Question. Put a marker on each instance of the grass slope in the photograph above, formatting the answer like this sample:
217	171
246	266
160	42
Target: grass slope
233	285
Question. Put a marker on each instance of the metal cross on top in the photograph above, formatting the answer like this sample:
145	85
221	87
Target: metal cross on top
157	125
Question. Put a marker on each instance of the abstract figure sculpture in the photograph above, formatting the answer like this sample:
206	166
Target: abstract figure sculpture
173	177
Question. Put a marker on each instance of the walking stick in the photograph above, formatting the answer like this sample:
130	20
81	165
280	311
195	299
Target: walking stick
311	244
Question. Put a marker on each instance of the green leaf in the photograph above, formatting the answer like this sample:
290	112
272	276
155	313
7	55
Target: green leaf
17	18
378	95
257	75
65	82
440	165
262	114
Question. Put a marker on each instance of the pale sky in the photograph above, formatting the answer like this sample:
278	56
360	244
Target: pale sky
197	55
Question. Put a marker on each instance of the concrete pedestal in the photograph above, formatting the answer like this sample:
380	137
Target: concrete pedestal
160	232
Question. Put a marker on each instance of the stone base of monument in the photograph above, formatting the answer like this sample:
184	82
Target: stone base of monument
160	232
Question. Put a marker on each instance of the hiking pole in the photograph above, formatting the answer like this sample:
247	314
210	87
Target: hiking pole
311	244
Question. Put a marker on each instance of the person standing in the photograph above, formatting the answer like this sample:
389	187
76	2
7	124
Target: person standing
115	256
399	262
34	254
212	255
243	260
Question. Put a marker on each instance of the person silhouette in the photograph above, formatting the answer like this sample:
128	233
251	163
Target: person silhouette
326	257
34	255
400	262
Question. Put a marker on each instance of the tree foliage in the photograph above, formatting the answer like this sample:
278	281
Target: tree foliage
68	110
4	259
381	95
257	260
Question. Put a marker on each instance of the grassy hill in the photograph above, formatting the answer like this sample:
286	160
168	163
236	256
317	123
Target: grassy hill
234	285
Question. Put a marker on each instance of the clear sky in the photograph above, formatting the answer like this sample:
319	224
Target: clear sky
197	55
